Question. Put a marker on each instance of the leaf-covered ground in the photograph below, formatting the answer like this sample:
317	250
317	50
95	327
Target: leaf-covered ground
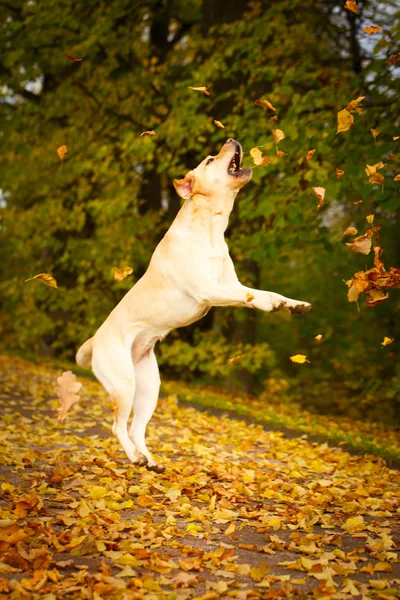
239	513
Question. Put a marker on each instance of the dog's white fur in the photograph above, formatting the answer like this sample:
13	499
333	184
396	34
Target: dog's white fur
189	272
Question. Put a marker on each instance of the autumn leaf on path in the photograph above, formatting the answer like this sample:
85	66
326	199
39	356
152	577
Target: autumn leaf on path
371	29
61	151
219	124
278	135
121	275
146	133
362	244
202	89
67	391
265	104
350	231
309	155
259	159
299	359
231	361
73	58
44	278
387	341
352	6
320	193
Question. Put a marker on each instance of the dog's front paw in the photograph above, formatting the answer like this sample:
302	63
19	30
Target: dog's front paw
300	309
156	467
140	461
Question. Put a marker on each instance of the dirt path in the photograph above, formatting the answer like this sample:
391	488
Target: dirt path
239	512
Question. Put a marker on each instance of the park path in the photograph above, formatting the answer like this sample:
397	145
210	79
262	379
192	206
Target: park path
240	512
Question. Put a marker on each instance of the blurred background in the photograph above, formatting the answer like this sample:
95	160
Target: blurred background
110	199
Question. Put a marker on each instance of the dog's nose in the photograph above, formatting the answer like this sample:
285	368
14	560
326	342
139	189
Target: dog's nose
229	140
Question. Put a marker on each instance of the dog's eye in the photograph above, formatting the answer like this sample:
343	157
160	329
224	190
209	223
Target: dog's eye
209	161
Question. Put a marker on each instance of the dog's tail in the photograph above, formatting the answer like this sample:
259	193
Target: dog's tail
84	354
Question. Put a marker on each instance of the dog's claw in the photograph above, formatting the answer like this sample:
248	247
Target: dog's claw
300	309
277	307
141	461
157	468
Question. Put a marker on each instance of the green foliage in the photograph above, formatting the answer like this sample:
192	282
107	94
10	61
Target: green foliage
108	202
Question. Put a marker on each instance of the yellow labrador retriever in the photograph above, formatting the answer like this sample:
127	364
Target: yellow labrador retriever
189	272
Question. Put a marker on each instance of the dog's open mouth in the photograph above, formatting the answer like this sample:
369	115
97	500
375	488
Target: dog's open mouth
234	164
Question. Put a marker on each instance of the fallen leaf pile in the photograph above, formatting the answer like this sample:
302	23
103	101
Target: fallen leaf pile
239	513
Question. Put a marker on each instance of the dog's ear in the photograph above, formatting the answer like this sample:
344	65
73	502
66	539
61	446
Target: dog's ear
184	186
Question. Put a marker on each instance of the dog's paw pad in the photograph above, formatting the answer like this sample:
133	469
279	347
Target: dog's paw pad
300	309
157	468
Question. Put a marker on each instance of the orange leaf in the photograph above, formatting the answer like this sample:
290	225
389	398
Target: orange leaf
202	89
230	529
231	361
73	58
339	173
278	135
320	193
259	159
145	133
219	124
362	244
375	133
352	6
249	297
61	151
265	104
397	177
350	231
67	391
309	155
371	29
44	278
358	201
121	275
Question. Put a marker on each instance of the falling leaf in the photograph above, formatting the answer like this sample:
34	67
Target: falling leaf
318	337
309	155
44	278
397	177
387	341
299	358
121	275
278	135
320	193
376	178
362	244
280	153
231	361
396	137
350	231
73	58
339	173
259	159
274	118
202	89
145	133
61	151
67	391
370	219
371	29
358	201
337	85
219	124
265	104
345	120
354	106
375	133
371	169
352	6
394	59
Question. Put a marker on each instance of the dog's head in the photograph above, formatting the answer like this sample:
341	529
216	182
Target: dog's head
216	174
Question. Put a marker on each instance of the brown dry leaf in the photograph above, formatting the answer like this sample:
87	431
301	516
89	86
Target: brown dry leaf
299	359
73	58
354	106
387	341
394	59
61	151
352	6
44	278
337	85
278	135
121	275
202	89
375	133
362	244
280	153
371	29
370	219
231	361
318	337
339	173
350	231
259	159
67	391
145	133
219	124
309	155
345	120
274	118
320	193
265	104
397	177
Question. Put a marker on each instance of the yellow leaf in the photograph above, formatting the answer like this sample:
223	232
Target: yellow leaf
219	124
354	524
396	137
202	89
370	219
230	529
387	341
376	178
299	358
372	169
378	584
265	104
61	151
259	159
97	492
320	193
231	361
350	231
258	573
339	173
309	155
354	106
382	567
44	278
67	392
397	177
146	133
375	133
318	337
345	120
351	5
371	29
278	135
121	275
84	509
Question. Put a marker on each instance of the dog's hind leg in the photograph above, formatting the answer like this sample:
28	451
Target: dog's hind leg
113	367
144	404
